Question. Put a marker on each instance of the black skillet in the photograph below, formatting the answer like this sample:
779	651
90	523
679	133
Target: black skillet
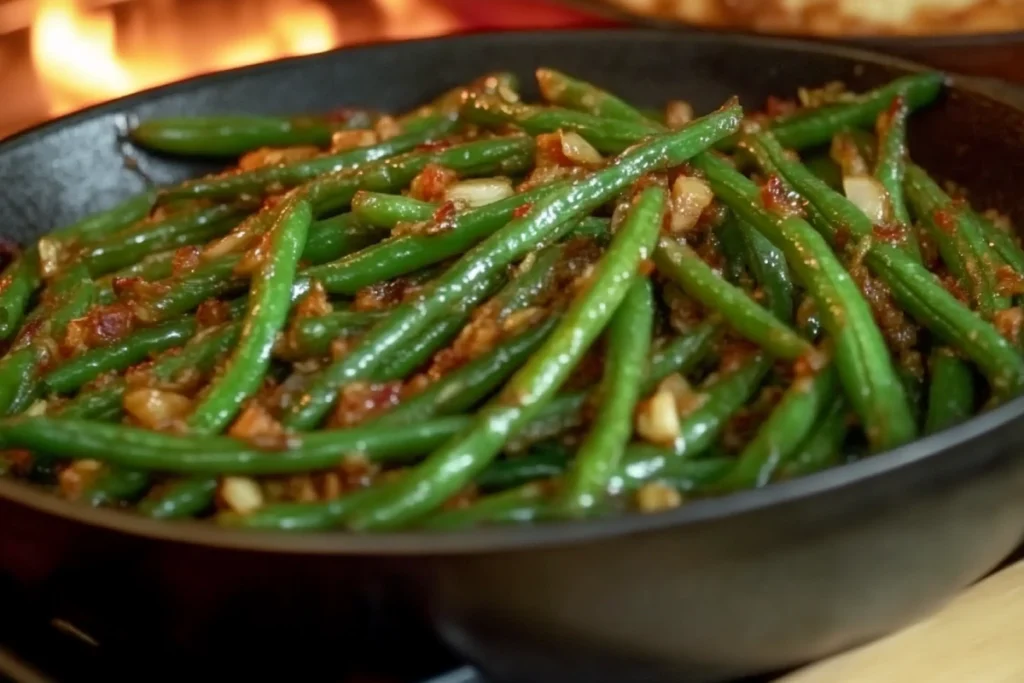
719	588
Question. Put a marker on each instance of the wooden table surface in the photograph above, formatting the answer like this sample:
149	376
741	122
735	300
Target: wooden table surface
974	639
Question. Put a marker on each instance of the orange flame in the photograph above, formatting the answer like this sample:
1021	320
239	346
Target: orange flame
84	56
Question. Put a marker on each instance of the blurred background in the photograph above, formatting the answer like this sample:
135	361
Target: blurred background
60	55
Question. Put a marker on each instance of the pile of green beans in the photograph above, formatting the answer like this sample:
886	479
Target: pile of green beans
488	311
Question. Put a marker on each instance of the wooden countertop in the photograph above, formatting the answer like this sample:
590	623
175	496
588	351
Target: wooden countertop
976	638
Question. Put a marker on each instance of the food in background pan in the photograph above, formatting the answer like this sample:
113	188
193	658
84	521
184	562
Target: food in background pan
839	17
489	311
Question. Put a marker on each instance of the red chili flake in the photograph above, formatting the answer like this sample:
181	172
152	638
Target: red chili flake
945	221
212	312
777	198
124	285
549	151
842	237
1009	322
1008	281
734	353
430	184
776	106
185	259
953	287
645	267
522	210
360	400
893	233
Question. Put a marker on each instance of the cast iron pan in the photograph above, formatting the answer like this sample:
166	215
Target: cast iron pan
719	588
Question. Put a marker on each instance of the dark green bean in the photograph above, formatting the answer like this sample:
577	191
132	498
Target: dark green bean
1003	242
822	448
680	263
914	287
15	367
142	449
182	499
566	91
116	485
18	282
111	220
514	505
332	192
770	270
313	336
446	471
267	311
629	340
408	253
950	391
607	135
121	355
464	388
960	240
125	248
269	179
228	136
779	438
816	126
891	163
388	210
862	359
544	222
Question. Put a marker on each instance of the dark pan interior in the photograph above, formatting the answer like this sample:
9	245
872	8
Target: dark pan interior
937	513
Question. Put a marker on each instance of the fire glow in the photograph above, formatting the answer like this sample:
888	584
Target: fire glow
86	55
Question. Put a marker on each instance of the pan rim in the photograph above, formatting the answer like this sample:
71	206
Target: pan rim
506	538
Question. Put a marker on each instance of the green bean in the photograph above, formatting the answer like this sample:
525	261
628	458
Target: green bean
514	505
950	391
680	355
1003	242
15	367
914	287
629	340
124	248
780	436
408	253
816	126
913	388
121	355
412	357
822	448
511	472
606	135
111	220
961	241
388	210
645	463
502	83
228	136
18	282
862	359
566	91
142	449
543	222
328	239
113	486
827	170
680	263
269	179
67	297
447	470
733	248
313	336
155	267
182	499
267	311
302	516
332	192
464	388
891	164
723	395
770	270
201	353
